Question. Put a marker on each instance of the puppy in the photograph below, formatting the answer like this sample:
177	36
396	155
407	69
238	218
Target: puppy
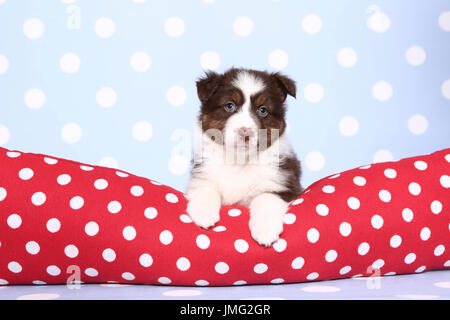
242	155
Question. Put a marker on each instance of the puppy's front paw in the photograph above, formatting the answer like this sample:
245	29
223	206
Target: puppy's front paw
266	218
204	207
265	231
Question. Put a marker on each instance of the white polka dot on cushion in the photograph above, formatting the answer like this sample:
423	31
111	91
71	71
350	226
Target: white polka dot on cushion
137	191
289	218
185	218
14	267
353	203
331	255
414	188
221	267
378	264
64	179
407	214
128	276
164	280
114	206
100	184
420	165
183	264
410	258
345	270
297	263
312	276
26	173
129	233
234	212
390	173
445	181
328	189
91	228
38	198
322	209
425	233
359	181
14	221
241	245
172	198
32	247
313	235
150	213
50	161
91	272
436	207
260	268
146	260
109	255
395	241
439	250
280	245
363	248
76	203
345	229
202	241
71	251
53	270
377	221
166	237
384	195
53	225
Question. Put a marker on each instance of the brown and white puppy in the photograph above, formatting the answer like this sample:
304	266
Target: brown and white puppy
242	155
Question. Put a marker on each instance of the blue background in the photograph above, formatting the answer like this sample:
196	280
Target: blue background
325	145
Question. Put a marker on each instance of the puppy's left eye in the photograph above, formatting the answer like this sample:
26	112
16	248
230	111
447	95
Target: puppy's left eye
230	107
262	112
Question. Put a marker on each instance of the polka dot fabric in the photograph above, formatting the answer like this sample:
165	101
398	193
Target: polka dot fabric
57	216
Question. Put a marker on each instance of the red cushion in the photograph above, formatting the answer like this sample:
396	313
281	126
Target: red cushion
63	220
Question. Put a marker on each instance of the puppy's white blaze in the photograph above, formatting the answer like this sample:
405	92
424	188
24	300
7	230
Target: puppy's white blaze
249	84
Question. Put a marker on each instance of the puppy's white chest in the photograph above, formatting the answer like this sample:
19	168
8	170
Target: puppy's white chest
238	184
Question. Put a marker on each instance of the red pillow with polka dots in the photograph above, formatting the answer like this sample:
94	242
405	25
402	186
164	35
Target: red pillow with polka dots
65	221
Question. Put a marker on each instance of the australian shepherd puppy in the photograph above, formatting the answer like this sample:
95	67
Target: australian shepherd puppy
242	155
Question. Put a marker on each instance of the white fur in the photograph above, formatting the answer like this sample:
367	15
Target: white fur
223	180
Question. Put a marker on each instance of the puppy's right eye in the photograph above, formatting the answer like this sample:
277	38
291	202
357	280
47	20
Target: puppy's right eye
230	107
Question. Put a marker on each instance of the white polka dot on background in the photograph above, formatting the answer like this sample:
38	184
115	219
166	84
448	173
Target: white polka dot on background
313	92
347	57
71	133
4	134
105	27
382	91
243	26
417	124
106	97
33	28
444	21
4	64
445	89
278	59
378	21
142	131
415	55
312	24
174	27
140	61
314	161
176	96
210	60
109	162
348	126
35	98
70	62
382	155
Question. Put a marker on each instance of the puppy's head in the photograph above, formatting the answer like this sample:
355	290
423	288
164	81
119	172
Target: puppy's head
245	106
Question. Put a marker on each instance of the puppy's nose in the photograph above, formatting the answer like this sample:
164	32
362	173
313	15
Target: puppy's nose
245	132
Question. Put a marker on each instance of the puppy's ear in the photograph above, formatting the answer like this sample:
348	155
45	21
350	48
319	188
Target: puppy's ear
207	85
285	85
